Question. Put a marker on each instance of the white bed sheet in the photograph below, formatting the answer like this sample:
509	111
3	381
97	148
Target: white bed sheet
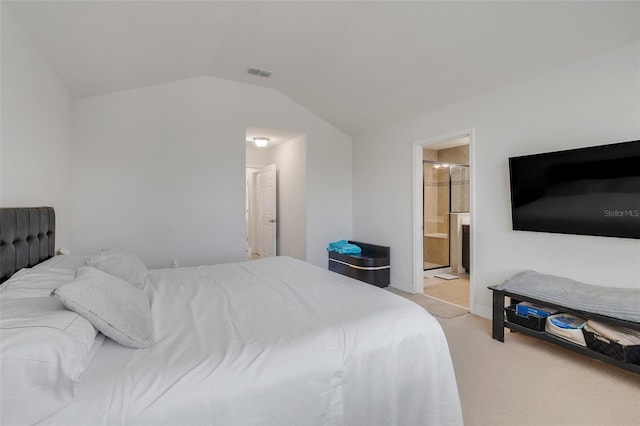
272	342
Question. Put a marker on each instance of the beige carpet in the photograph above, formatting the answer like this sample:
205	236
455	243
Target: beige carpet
524	381
433	306
528	382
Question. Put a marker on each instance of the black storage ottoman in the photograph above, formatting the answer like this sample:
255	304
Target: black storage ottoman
372	266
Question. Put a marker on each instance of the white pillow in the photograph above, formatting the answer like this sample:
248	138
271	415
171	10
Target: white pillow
63	262
45	349
115	307
122	264
38	281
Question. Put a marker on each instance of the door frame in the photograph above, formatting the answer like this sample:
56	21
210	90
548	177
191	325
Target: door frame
418	203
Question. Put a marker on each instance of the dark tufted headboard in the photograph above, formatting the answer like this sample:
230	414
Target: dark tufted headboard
27	237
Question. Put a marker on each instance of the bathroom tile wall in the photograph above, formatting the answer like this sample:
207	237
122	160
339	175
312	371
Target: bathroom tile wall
456	155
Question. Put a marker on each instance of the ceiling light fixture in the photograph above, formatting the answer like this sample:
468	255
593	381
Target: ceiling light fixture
261	142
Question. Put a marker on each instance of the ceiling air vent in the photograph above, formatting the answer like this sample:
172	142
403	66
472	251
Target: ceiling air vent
259	72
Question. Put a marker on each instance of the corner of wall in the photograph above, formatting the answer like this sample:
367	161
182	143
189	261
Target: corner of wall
36	129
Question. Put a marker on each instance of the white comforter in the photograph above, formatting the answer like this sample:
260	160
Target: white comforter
272	342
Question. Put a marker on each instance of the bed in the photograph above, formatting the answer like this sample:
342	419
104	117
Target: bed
274	341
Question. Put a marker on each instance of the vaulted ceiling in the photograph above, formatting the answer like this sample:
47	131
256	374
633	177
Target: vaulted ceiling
359	65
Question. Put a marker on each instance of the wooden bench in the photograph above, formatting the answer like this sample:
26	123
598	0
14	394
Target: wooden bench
499	323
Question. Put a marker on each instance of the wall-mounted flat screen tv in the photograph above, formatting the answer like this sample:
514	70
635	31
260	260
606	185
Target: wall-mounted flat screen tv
585	191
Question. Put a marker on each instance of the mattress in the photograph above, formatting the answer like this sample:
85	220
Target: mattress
274	341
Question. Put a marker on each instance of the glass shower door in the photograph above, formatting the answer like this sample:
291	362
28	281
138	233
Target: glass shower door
459	189
436	196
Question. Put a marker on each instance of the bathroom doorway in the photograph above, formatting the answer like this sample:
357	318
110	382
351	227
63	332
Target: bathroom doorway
443	204
446	206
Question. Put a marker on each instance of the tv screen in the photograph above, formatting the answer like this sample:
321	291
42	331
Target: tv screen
585	191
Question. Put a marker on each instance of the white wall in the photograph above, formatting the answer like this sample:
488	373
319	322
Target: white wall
35	161
590	103
257	157
291	161
161	170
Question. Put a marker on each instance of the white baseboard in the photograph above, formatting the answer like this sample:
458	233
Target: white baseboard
482	311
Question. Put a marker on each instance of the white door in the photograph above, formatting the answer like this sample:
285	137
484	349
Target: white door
252	218
267	210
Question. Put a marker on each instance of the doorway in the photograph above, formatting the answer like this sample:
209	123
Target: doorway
442	218
279	167
261	213
446	208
